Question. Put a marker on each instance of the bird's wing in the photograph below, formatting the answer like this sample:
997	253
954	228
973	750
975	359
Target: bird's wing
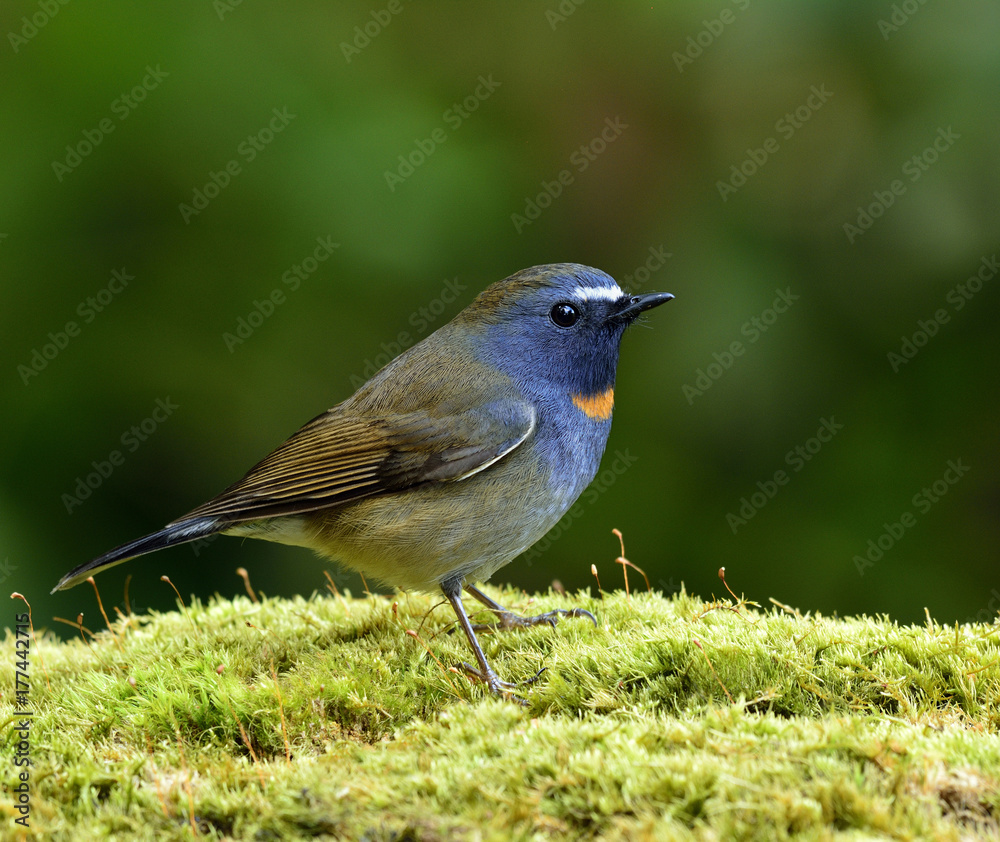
336	458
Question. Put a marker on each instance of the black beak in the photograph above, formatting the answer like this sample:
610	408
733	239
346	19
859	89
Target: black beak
636	304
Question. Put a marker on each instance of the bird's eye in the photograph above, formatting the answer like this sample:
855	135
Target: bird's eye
564	315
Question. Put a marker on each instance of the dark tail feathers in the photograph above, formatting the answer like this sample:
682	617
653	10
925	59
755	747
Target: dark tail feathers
176	533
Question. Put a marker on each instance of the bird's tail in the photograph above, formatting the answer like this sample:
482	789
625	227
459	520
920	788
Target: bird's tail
176	533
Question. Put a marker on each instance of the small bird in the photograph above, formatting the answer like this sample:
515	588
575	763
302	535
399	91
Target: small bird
454	458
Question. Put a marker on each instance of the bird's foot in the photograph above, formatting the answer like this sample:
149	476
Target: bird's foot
509	620
499	687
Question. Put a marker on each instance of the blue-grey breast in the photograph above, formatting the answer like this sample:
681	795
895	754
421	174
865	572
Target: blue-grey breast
453	459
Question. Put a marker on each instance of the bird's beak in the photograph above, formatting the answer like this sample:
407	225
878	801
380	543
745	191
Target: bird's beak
636	304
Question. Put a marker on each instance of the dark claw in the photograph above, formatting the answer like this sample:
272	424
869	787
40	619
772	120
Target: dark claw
534	678
578	612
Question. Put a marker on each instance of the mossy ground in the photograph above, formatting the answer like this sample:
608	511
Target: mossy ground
673	719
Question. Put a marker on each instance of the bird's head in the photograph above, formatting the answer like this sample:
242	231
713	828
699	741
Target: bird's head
560	323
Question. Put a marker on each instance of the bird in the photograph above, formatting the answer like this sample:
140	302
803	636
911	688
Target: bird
453	459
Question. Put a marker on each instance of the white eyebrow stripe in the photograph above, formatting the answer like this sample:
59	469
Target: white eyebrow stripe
598	293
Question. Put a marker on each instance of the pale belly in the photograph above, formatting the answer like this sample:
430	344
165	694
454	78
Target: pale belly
418	538
421	537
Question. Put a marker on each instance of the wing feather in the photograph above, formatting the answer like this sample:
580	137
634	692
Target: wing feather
337	458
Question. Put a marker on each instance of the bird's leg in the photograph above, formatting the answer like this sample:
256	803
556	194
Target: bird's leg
453	590
509	620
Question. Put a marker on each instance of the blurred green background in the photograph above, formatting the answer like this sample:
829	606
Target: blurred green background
750	153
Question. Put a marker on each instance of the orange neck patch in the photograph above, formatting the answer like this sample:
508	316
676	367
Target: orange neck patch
597	407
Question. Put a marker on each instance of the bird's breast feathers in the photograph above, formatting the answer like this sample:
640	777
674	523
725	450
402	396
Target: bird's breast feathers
596	407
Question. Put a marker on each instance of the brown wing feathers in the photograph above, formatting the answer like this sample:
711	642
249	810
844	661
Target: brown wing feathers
334	459
329	460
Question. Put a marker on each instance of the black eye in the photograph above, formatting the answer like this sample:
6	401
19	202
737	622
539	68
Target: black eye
564	315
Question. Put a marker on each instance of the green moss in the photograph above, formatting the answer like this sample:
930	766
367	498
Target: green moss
673	719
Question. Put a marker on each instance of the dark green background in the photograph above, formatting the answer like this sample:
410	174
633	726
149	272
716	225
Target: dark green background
887	94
